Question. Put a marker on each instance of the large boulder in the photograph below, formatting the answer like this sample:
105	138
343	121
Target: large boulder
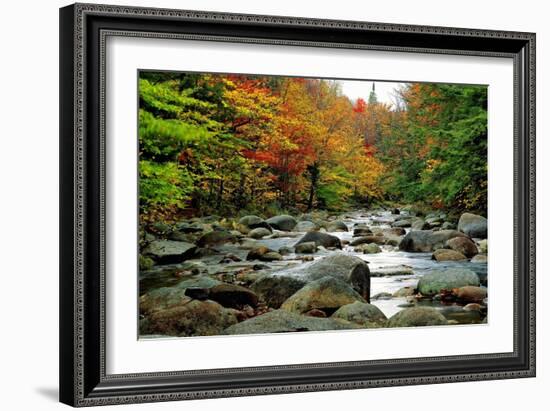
169	252
216	237
376	239
305	226
259	232
361	231
326	294
402	223
363	314
463	245
282	222
419	224
274	290
337	226
324	239
473	225
426	241
432	283
306	248
195	318
253	221
280	321
443	254
416	317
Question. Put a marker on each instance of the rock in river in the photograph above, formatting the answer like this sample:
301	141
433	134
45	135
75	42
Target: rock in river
276	289
471	294
432	283
192	319
259	232
326	294
169	252
426	240
306	248
282	222
463	245
443	254
416	317
305	226
216	237
280	321
366	315
337	226
473	225
326	240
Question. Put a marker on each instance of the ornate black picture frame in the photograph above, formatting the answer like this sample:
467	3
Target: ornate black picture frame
83	30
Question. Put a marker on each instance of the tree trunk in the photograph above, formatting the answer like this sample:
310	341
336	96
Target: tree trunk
313	170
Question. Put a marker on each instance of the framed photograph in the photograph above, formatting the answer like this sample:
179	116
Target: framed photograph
261	204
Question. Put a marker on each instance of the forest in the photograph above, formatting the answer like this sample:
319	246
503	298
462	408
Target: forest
246	144
280	204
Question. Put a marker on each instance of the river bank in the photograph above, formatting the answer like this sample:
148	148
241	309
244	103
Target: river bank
360	269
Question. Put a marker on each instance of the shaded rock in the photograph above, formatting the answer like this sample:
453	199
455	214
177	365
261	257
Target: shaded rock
402	223
363	314
470	294
337	226
326	294
394	231
306	248
326	240
316	313
253	221
280	321
361	231
215	238
271	256
192	319
259	232
282	222
392	270
376	239
404	292
395	211
472	307
461	316
463	245
169	252
426	240
479	258
305	226
432	283
417	317
276	289
231	295
473	225
443	254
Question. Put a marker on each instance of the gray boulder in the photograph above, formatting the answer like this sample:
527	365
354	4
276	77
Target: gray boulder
376	239
280	321
417	317
324	239
426	240
169	252
259	232
282	222
473	225
419	224
216	237
363	314
337	226
306	248
326	294
432	283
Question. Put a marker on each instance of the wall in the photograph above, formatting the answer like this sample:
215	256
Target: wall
29	205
